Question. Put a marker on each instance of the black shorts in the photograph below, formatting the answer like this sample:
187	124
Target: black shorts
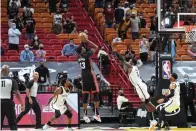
89	82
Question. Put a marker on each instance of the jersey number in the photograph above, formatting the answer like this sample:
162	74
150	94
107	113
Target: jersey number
82	65
2	83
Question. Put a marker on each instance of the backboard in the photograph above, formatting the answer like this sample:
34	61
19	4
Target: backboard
173	16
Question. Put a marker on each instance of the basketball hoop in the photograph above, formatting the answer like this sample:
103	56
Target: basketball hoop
190	34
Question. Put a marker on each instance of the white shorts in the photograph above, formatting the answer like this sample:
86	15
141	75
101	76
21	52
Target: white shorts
171	106
142	91
62	108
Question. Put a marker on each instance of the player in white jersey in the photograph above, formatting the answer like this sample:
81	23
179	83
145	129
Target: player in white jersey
140	86
173	101
59	104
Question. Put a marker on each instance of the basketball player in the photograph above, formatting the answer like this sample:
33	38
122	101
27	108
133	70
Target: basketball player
59	104
8	87
89	80
172	104
140	86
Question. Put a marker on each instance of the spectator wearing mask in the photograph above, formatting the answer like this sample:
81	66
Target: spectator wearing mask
135	26
27	13
151	86
109	16
142	20
152	48
69	49
26	55
99	3
12	13
69	27
144	48
30	28
57	23
40	54
119	14
13	35
153	26
121	99
19	23
192	49
78	82
126	7
123	27
189	98
105	90
34	45
44	76
131	10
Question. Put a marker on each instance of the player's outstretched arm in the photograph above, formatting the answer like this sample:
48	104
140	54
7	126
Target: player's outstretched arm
95	47
56	92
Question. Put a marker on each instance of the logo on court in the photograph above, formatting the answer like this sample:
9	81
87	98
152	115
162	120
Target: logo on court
166	69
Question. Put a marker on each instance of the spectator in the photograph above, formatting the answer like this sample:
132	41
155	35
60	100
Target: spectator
40	54
123	27
63	5
105	90
12	13
135	26
104	60
192	49
131	10
153	25
27	13
57	23
17	2
142	20
119	14
26	55
13	35
189	8
78	82
19	23
43	74
152	48
69	27
109	16
69	49
188	95
24	3
171	47
144	48
99	3
121	99
126	7
151	86
30	28
34	45
52	6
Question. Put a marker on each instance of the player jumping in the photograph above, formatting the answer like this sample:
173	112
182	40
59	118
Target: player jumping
173	102
89	80
58	102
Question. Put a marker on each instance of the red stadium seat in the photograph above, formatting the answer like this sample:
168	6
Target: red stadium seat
57	53
44	41
49	53
62	58
51	58
57	47
41	36
14	58
4	58
54	40
12	53
73	58
51	36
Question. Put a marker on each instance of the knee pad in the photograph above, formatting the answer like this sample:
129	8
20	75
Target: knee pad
85	98
57	113
96	97
69	114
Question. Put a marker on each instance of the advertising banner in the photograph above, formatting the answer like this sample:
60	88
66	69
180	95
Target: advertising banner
47	112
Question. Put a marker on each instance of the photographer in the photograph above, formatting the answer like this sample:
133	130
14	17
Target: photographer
43	74
62	75
21	84
105	90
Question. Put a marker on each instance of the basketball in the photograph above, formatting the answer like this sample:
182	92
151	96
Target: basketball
83	37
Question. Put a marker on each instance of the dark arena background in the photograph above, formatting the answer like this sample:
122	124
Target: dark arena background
150	31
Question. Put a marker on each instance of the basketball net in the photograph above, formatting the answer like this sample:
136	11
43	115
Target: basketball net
190	32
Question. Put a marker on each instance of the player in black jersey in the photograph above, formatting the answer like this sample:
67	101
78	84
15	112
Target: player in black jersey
89	79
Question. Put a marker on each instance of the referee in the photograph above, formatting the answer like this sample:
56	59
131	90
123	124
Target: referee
31	102
8	87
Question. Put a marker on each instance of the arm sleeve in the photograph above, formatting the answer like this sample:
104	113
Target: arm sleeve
171	94
14	85
30	84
